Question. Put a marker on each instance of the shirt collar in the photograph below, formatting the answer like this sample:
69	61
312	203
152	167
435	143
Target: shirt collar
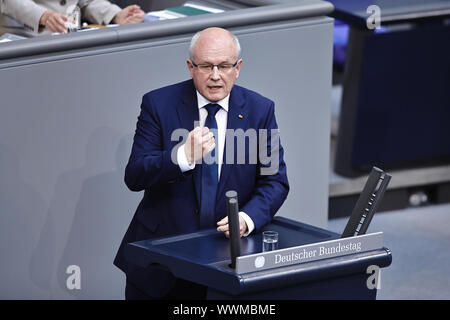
202	101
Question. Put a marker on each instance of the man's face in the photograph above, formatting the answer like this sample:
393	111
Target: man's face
214	48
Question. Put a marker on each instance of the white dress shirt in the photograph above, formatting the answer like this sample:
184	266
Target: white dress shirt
221	119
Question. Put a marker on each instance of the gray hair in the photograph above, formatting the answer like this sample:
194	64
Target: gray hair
197	36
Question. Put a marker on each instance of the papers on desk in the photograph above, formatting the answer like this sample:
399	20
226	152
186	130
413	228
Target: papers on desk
161	15
203	7
188	9
7	37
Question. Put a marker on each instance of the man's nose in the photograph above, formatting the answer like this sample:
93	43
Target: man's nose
215	75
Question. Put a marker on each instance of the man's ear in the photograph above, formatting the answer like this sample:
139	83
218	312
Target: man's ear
190	67
238	68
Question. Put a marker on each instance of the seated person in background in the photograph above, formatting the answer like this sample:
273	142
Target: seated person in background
34	17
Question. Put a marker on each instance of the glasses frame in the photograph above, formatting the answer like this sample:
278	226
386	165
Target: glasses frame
212	66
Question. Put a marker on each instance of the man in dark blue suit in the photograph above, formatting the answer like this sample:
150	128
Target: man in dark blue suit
194	141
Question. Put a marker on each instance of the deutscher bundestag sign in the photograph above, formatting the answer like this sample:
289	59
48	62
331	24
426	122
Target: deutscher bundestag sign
309	252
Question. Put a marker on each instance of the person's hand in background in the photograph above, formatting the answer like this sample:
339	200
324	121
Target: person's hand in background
53	21
129	15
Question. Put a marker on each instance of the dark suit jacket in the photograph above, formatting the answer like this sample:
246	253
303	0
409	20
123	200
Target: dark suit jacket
171	199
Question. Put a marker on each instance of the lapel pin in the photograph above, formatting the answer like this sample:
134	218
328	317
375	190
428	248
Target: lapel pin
240	116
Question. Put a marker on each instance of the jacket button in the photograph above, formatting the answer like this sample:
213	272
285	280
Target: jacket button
62	2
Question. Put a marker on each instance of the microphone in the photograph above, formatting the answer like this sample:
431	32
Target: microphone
233	223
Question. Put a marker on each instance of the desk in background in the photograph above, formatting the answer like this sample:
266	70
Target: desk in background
396	102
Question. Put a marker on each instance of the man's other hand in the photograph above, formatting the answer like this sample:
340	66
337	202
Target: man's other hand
224	227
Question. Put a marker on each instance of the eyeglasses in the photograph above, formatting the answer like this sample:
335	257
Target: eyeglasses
208	68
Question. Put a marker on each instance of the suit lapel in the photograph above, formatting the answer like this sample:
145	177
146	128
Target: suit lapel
237	118
188	113
188	110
